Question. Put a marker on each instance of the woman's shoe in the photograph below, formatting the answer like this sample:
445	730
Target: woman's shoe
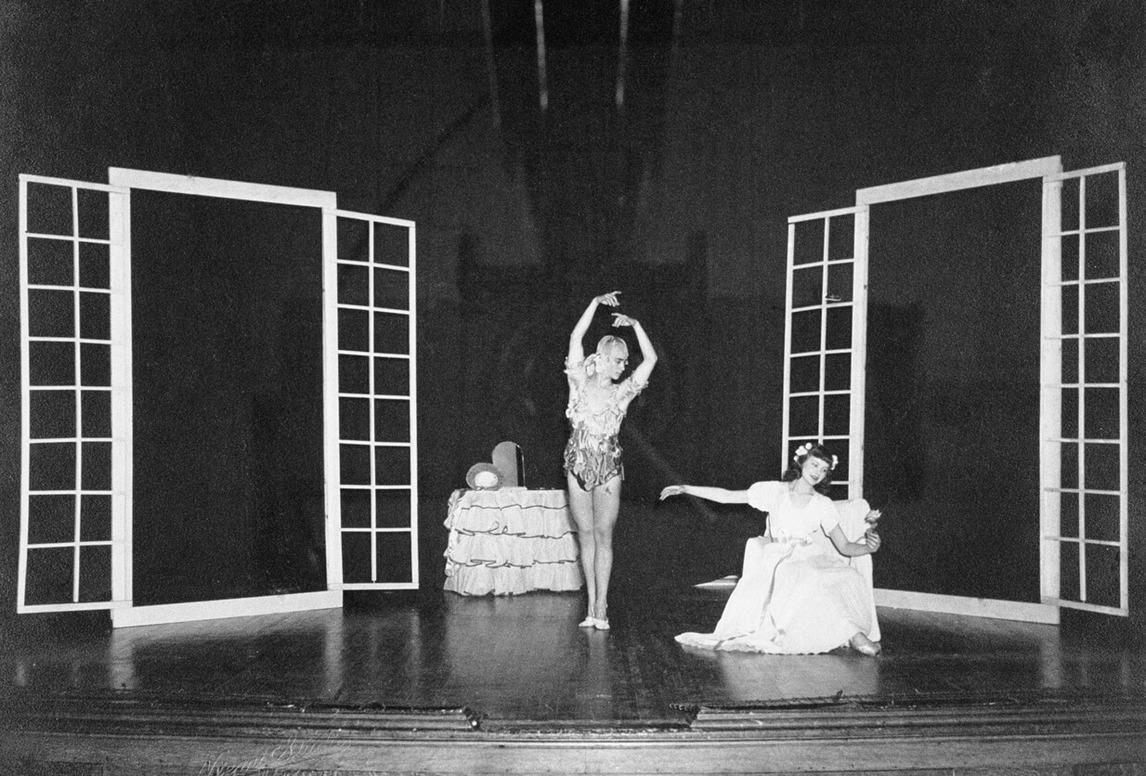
601	624
865	646
588	622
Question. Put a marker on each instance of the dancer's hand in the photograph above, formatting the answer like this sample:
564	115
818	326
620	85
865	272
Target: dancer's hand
623	320
672	490
872	540
612	299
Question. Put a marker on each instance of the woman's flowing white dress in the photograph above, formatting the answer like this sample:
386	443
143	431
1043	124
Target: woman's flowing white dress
796	594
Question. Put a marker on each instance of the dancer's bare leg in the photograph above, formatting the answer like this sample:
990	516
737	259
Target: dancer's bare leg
581	506
606	507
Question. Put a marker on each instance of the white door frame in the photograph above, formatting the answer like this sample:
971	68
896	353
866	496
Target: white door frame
121	181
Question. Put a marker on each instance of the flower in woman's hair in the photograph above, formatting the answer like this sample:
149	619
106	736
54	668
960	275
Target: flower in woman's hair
802	450
835	461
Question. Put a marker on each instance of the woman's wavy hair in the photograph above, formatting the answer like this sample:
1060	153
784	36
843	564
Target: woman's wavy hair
795	469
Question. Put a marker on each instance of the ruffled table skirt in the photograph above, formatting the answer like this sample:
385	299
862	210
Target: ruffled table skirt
511	541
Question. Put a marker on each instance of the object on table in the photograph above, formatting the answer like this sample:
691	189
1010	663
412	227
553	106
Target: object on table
484	476
508	459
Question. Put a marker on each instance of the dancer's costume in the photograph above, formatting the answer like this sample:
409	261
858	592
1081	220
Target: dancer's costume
592	454
796	594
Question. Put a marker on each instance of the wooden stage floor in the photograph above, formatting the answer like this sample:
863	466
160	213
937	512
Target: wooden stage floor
434	682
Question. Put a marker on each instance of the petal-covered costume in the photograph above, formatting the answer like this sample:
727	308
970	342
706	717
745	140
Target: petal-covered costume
593	454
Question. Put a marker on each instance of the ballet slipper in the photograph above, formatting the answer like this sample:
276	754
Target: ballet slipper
602	625
588	622
865	646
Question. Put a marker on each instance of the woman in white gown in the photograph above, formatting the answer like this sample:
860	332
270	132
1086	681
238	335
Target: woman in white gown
797	593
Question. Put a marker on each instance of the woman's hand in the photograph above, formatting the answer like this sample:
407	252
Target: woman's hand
610	299
872	540
623	320
672	490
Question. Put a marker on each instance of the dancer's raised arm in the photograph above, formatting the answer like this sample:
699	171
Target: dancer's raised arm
576	346
648	352
719	495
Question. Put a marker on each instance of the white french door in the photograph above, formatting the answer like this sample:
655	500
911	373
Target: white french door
1083	411
369	405
76	396
76	384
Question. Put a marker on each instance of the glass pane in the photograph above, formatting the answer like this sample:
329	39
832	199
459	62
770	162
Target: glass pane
1070	413
1102	200
1068	514
53	414
1070	310
49	209
1103	309
1068	477
52	467
1070	253
356	551
1103	257
1070	361
354	330
354	464
391	333
392	465
95	316
804	416
394	508
353	284
839	283
96	408
95	518
96	467
353	374
391	420
95	365
51	519
1103	586
51	313
804	374
1102	413
50	262
1103	470
1069	582
841	237
52	363
809	246
1103	518
807	286
93	213
392	376
354	419
838	372
806	332
49	579
395	557
839	328
95	573
392	289
391	245
95	265
353	240
1103	360
837	415
1070	208
355	508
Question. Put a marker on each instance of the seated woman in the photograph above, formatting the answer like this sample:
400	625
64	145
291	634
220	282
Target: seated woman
796	595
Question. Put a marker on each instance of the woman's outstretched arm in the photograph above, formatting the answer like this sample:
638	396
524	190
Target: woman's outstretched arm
576	346
648	352
719	495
